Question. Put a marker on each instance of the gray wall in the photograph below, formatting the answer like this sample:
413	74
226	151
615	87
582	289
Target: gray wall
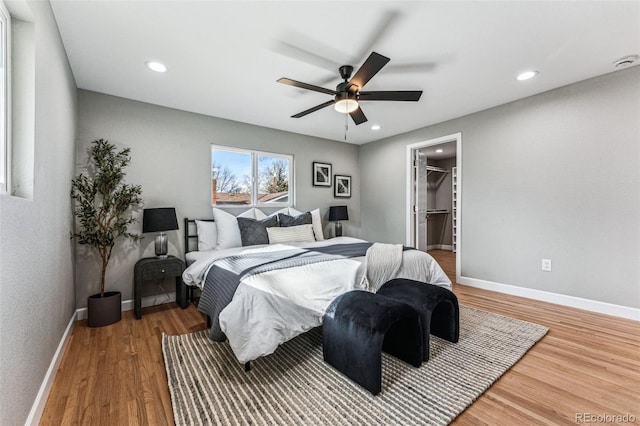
170	152
552	176
36	255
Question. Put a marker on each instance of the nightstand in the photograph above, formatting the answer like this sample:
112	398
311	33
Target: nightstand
158	269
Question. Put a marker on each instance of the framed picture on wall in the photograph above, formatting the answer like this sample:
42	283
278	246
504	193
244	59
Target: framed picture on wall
321	174
342	186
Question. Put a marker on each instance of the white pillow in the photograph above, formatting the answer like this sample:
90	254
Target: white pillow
289	234
317	224
227	227
228	231
207	235
283	210
294	212
253	213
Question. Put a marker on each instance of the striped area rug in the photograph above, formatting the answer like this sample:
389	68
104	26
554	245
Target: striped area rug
294	386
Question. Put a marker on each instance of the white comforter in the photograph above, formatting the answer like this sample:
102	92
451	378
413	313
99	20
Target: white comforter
271	308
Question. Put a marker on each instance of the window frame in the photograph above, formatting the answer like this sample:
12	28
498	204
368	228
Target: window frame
255	154
5	98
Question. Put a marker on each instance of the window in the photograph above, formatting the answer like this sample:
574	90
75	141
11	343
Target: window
5	21
250	178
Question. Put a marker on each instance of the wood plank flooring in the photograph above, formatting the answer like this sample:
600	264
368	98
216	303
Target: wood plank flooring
588	364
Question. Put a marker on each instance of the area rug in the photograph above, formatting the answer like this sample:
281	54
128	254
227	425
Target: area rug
294	386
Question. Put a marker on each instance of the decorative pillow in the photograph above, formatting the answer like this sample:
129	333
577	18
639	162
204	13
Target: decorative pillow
294	212
289	234
227	227
316	220
253	213
317	224
287	210
285	220
254	231
207	235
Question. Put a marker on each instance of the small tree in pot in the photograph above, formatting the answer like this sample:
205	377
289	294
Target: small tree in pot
103	205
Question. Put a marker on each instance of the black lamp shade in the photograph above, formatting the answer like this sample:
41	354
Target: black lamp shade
159	220
338	213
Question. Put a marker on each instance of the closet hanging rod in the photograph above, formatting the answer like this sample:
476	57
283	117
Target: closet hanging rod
436	169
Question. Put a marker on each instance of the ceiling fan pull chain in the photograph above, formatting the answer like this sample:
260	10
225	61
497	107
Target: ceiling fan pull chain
346	126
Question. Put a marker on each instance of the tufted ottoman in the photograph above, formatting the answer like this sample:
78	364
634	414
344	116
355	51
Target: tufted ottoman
358	325
437	306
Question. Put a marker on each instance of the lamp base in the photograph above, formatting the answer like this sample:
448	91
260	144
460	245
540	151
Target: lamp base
338	229
161	244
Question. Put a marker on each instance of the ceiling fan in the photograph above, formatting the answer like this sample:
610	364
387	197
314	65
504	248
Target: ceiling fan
349	94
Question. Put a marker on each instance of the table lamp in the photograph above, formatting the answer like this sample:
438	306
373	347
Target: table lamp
336	214
160	220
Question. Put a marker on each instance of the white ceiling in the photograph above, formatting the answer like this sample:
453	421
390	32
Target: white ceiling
224	57
449	150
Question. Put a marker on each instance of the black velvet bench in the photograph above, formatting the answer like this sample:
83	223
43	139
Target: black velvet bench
437	306
358	325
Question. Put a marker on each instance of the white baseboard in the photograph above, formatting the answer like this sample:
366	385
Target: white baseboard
43	393
127	305
559	299
448	247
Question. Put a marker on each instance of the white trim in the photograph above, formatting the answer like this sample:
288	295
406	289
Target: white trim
409	191
5	143
43	393
558	299
128	305
447	247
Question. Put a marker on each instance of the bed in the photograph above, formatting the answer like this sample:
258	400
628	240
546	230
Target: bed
261	295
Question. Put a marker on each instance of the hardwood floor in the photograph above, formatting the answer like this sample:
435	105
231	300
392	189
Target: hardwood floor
587	365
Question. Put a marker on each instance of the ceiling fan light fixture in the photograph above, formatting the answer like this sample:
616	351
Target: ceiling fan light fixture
346	105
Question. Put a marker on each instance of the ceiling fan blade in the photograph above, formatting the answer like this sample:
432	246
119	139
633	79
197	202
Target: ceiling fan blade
411	67
386	23
371	66
358	116
307	86
307	56
314	109
397	95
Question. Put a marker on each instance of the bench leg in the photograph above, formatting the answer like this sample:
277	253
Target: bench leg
357	357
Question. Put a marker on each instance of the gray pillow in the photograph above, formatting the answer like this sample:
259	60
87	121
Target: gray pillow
285	220
254	231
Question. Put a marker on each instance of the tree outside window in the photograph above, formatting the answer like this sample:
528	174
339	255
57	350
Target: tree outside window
246	178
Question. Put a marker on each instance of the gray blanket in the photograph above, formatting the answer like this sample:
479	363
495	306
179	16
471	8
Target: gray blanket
225	275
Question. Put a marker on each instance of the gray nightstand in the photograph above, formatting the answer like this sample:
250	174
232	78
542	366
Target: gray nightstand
158	269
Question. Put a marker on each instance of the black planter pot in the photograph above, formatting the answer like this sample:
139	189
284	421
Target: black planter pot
104	310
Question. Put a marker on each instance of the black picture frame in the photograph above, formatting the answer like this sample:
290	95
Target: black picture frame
321	174
341	186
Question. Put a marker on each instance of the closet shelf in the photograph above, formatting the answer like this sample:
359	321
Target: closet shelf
436	169
437	211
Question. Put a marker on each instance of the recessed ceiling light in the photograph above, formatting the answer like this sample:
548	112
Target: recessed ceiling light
626	61
375	127
439	150
527	75
156	66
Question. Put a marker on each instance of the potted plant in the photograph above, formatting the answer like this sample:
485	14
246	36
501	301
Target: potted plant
103	206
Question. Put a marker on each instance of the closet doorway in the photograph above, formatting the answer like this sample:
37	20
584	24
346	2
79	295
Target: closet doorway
433	193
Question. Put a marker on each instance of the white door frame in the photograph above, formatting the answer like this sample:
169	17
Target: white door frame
457	137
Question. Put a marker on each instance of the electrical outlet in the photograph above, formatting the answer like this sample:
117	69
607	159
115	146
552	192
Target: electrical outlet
546	265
